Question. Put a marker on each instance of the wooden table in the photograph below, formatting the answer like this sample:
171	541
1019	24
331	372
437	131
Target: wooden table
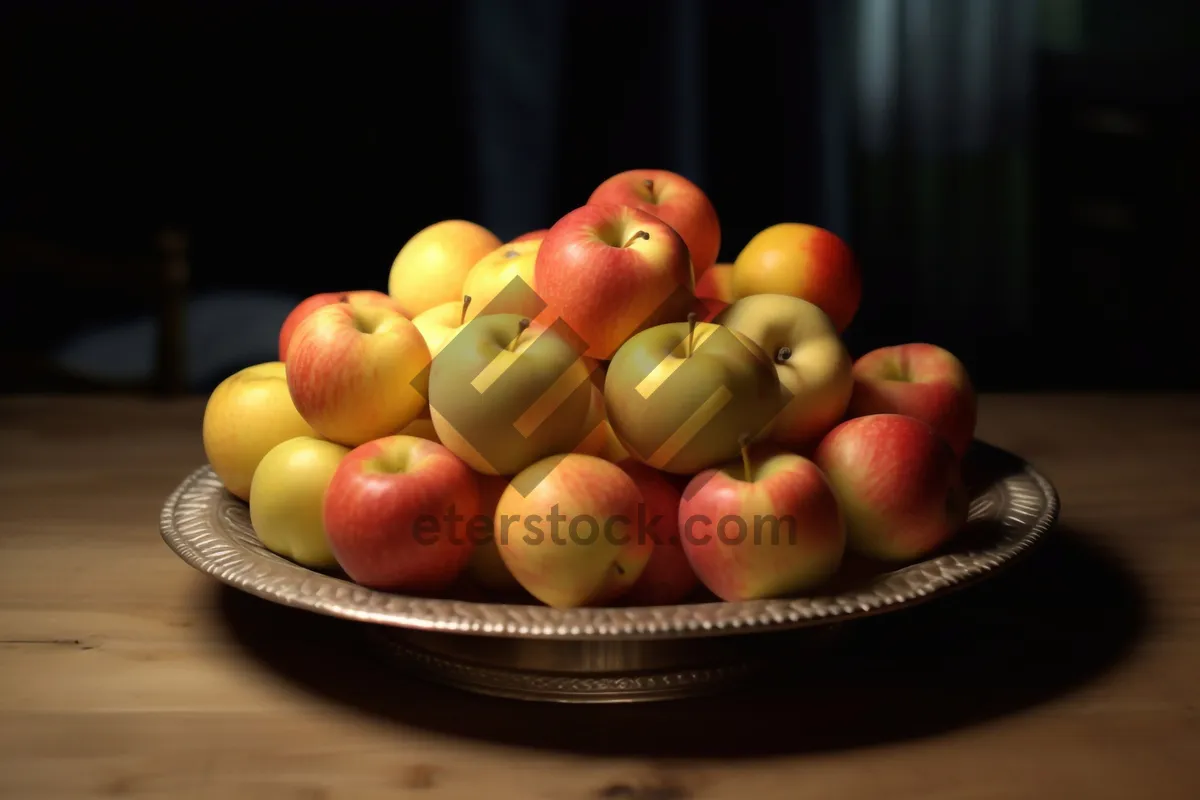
125	673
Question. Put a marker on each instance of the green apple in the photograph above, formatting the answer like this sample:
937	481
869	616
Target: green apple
504	393
809	357
681	396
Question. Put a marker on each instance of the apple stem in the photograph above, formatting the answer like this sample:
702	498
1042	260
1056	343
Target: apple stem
343	298
691	333
511	254
744	444
462	318
635	237
784	354
649	184
522	326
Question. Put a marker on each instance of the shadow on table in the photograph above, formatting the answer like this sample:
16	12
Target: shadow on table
1042	628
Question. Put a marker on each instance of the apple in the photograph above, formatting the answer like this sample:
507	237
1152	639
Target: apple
486	567
441	323
532	236
247	414
810	359
668	577
565	527
898	483
431	267
396	514
608	270
920	380
361	299
287	499
676	201
716	283
765	526
680	396
502	282
357	374
805	261
503	394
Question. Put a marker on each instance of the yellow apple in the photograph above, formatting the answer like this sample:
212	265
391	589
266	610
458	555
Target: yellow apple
506	393
810	359
681	396
502	282
247	414
287	499
441	323
431	267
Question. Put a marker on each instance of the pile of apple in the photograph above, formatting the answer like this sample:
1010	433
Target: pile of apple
597	414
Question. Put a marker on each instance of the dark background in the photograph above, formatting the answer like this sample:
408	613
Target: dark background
298	145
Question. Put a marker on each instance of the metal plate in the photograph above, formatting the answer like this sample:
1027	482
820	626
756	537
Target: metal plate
1012	508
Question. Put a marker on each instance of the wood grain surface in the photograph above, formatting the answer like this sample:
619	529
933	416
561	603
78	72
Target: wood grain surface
125	673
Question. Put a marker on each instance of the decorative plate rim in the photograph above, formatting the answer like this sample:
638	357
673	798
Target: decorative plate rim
194	523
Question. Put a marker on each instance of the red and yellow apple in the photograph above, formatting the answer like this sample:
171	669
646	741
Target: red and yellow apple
502	282
812	363
923	381
675	200
608	270
668	577
804	261
360	299
247	414
287	499
765	526
716	283
565	527
898	484
357	374
396	514
431	267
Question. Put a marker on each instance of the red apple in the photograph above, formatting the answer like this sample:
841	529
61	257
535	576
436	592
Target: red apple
608	271
364	299
396	514
676	201
668	577
357	374
898	484
767	526
922	381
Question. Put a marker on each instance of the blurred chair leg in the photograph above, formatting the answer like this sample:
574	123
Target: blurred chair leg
515	60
